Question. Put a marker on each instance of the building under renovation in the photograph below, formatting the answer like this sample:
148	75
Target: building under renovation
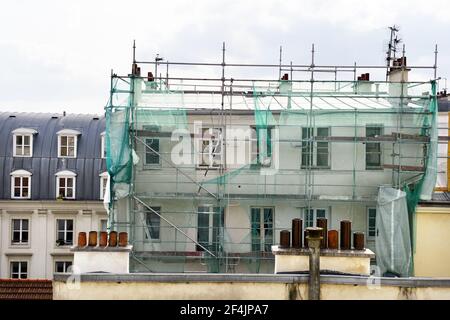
204	172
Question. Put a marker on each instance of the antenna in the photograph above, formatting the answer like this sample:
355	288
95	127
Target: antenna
134	51
157	60
392	47
281	56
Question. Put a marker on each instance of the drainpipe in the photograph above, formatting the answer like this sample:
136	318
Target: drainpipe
314	237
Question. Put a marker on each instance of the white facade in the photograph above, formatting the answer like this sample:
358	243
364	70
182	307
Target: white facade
344	190
41	251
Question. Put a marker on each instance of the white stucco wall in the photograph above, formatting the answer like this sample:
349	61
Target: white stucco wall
98	261
41	252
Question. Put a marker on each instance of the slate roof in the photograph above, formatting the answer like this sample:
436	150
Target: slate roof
443	104
45	162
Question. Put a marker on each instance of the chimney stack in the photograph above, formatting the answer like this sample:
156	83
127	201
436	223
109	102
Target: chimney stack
398	73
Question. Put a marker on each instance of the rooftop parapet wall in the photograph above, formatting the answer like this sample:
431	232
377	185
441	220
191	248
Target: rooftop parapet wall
244	287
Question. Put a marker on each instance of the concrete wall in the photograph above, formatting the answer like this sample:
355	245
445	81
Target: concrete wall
432	255
41	252
242	287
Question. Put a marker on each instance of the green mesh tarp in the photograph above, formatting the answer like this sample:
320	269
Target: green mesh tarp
284	130
393	242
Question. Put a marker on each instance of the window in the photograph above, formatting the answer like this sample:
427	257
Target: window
22	145
62	266
103	184
20	184
373	149
310	216
210	152
103	225
262	229
64	230
65	184
103	145
315	153
19	270
210	221
20	231
152	148
23	142
261	152
67	143
151	155
67	146
153	223
371	223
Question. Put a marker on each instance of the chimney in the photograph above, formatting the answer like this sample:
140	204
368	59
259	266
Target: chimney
293	258
285	84
363	85
150	77
398	73
103	255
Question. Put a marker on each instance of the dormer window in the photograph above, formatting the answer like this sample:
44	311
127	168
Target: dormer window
20	184
65	184
23	142
103	184
67	143
103	143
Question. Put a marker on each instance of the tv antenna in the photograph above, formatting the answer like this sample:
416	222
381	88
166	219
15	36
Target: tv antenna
392	47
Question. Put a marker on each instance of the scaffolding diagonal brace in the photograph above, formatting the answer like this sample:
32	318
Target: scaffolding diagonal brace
178	169
173	225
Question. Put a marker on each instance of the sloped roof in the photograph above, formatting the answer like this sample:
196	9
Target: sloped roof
26	289
45	162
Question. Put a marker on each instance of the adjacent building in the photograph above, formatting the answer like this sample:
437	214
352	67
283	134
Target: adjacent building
52	181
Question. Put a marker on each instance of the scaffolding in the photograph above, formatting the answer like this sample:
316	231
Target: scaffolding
205	171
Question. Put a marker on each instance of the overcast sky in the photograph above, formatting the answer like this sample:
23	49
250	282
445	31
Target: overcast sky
57	55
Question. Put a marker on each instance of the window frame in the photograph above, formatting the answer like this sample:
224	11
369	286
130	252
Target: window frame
369	237
65	231
103	145
21	243
68	133
315	149
20	174
65	267
380	167
20	262
210	245
151	165
305	219
147	211
199	152
100	222
262	235
23	145
103	179
255	145
24	132
155	132
66	174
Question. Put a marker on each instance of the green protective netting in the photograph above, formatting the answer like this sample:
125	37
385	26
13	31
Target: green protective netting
396	209
119	151
393	242
159	119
